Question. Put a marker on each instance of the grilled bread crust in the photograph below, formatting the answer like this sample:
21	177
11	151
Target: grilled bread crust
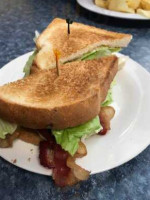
46	99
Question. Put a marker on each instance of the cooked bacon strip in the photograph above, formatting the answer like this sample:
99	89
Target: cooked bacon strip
82	151
30	136
80	173
46	134
8	142
55	158
26	135
64	180
46	155
106	114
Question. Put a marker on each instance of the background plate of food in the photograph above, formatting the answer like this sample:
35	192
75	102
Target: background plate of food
127	9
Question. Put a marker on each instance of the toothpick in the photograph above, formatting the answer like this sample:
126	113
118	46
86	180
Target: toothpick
57	55
69	21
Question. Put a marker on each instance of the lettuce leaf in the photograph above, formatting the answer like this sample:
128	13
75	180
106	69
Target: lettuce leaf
70	137
6	128
28	64
36	36
109	97
100	52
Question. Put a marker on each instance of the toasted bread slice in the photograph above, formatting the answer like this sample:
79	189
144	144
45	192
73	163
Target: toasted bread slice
82	39
46	99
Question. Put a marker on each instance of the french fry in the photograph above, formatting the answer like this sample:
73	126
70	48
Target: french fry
145	13
120	5
145	4
101	3
141	7
133	3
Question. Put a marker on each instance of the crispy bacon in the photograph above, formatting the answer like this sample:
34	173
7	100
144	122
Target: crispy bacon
103	131
46	155
65	171
47	135
54	157
79	172
82	151
60	156
106	114
8	142
63	180
61	172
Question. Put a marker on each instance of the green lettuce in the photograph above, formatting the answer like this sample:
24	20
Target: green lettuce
100	52
27	67
6	128
109	97
28	64
69	138
36	36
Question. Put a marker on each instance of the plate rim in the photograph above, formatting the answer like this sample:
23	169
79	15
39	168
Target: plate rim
110	13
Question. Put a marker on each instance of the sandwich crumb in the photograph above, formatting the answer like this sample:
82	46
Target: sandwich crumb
31	150
14	161
29	159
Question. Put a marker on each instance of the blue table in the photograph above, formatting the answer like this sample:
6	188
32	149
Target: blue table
18	21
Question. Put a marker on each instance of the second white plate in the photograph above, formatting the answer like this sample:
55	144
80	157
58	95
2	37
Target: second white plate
89	5
130	127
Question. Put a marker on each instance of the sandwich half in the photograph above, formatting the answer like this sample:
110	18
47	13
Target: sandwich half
67	108
84	42
47	100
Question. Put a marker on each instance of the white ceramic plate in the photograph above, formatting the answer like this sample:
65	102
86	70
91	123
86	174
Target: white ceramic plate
89	5
130	127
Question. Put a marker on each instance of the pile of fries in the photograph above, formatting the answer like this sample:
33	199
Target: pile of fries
141	7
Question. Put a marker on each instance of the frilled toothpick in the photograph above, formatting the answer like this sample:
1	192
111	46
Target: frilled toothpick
57	56
69	21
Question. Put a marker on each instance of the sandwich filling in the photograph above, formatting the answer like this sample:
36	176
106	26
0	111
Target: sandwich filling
69	138
6	128
92	126
95	54
99	52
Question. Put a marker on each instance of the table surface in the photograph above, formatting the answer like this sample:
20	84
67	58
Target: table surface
18	21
